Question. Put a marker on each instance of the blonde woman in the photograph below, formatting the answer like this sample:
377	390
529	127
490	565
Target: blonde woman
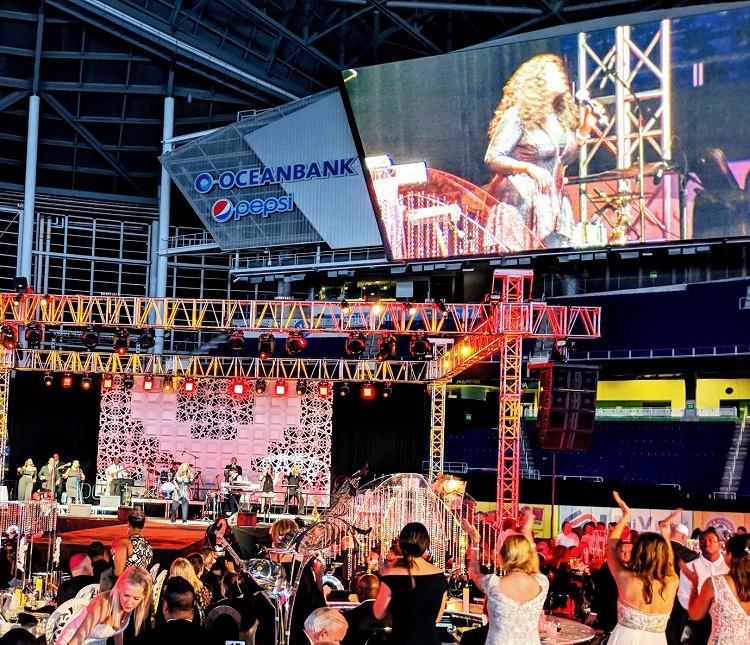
515	600
181	493
109	613
26	480
182	568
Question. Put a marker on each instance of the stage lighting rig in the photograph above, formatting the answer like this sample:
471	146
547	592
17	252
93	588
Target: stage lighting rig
368	391
34	335
236	340
147	338
148	383
356	343
167	384
9	336
91	337
386	347
442	307
260	386
296	342
189	385
238	387
324	389
420	347
86	382
387	389
280	388
67	380
266	346
121	340
301	388
128	381
344	390
108	381
409	307
48	380
345	308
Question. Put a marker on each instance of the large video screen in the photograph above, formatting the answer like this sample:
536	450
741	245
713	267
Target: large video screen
493	150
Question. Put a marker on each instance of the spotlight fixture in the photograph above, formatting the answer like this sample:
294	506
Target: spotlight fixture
387	390
465	349
34	335
20	284
344	391
420	347
91	338
128	381
45	300
167	384
324	389
121	341
86	382
280	388
376	308
147	338
9	336
189	385
301	388
260	386
345	308
409	307
236	340
266	346
108	381
386	347
238	387
148	383
67	380
368	391
442	307
296	342
48	379
355	344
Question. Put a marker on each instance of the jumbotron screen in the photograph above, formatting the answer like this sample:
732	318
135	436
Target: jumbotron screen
634	133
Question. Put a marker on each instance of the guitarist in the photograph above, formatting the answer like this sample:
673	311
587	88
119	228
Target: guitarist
114	472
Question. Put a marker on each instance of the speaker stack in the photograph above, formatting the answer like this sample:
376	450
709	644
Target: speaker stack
567	406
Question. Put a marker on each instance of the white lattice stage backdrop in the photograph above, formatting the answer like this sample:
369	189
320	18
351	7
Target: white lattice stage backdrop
209	427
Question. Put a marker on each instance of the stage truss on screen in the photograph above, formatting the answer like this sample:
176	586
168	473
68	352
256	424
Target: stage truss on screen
462	335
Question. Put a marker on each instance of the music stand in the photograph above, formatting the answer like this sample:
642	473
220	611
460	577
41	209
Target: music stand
123	488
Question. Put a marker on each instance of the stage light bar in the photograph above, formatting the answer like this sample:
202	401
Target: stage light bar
280	388
67	380
48	380
148	383
91	337
108	381
121	341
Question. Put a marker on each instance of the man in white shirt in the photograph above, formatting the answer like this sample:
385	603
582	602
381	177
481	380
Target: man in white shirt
566	537
710	563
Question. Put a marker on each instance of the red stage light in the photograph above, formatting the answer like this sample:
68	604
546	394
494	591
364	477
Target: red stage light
238	387
188	385
48	379
324	389
108	382
67	380
280	388
168	384
368	391
86	382
148	383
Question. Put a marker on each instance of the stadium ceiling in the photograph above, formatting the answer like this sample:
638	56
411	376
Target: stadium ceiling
102	68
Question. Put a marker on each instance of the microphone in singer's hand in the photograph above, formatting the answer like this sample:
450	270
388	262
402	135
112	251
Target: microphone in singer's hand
582	96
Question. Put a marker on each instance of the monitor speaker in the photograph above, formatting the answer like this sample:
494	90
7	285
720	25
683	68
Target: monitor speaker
567	406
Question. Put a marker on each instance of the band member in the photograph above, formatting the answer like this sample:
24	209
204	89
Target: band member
293	489
181	494
232	471
74	477
26	480
48	475
267	494
113	473
60	468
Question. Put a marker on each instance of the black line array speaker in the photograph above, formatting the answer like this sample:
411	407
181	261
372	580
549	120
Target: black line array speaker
567	406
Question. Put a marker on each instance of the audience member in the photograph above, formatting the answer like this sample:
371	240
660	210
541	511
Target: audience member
100	558
604	598
178	613
678	620
566	537
82	575
325	624
361	619
181	568
18	636
133	550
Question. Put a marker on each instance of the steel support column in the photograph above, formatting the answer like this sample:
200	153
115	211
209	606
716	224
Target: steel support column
437	428
6	361
164	204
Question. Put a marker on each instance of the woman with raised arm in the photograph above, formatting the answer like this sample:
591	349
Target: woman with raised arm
515	600
726	597
647	587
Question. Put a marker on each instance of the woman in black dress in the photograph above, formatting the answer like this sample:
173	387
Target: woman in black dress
414	590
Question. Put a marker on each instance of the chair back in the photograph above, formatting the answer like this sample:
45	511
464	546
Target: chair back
61	616
88	592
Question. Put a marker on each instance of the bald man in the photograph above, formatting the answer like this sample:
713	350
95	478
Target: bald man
361	620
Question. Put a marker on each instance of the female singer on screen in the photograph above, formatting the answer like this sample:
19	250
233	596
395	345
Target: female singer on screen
646	587
535	132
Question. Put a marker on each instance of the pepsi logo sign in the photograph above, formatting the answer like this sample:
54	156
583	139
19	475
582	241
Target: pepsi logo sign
222	210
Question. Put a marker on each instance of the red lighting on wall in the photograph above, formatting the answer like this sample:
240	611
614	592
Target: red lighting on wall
280	388
67	380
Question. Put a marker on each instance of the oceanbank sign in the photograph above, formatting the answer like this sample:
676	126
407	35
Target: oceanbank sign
224	209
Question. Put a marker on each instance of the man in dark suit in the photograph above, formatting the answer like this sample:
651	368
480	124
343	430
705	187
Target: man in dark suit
678	619
361	620
178	608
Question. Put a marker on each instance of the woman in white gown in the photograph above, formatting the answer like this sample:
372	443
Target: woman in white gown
726	597
647	587
515	600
